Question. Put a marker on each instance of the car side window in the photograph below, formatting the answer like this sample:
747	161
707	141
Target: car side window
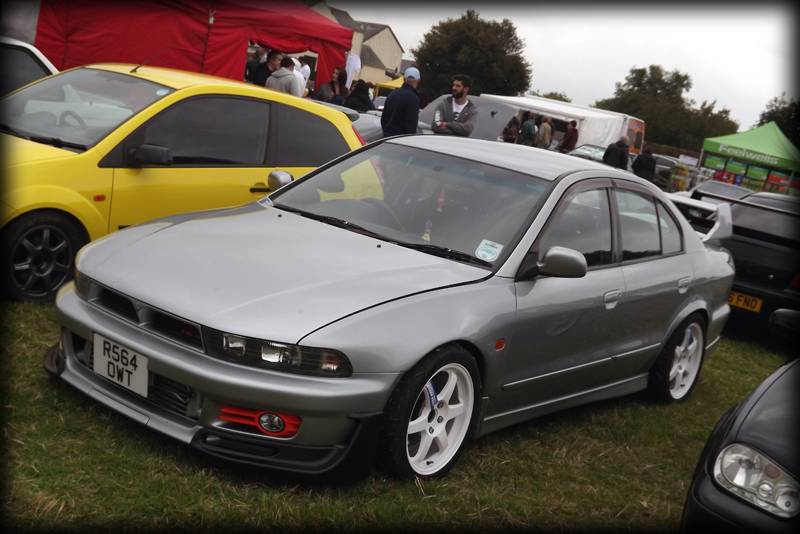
638	225
303	139
671	238
20	67
582	223
212	131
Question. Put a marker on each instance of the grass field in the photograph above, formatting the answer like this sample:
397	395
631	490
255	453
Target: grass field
620	464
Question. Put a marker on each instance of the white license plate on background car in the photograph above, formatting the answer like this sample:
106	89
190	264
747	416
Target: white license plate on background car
120	364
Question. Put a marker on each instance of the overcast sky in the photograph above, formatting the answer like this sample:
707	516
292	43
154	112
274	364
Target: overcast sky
739	55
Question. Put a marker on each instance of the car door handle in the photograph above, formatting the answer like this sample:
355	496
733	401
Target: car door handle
683	284
259	188
611	298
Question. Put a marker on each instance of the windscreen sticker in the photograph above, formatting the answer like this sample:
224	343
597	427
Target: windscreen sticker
488	250
162	92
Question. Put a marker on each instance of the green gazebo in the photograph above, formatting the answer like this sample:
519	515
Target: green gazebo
761	159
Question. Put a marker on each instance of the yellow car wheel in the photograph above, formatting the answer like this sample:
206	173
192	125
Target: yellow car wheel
38	252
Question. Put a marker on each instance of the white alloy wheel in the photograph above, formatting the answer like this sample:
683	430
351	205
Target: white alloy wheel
440	419
686	361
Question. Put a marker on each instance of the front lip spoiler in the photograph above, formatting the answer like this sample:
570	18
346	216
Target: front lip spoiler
353	459
346	462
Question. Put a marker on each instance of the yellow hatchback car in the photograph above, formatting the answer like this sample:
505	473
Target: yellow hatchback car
101	147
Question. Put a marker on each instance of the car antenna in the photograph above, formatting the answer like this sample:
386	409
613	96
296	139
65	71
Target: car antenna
134	69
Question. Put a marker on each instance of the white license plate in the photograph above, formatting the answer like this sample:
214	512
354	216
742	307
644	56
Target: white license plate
120	364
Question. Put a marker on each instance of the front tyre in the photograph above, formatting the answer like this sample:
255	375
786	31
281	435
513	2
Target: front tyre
431	415
674	375
38	251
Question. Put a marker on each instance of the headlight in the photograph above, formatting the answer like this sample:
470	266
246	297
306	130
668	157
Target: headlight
82	284
278	356
757	479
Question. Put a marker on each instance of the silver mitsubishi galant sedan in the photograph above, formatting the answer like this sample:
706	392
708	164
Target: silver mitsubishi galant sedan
397	302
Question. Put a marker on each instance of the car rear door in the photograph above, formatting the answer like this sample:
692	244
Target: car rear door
658	276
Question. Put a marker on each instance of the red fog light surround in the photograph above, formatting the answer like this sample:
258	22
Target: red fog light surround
268	422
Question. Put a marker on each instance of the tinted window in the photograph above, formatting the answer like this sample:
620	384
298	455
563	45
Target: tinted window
638	224
211	131
582	223
20	68
670	233
305	140
749	218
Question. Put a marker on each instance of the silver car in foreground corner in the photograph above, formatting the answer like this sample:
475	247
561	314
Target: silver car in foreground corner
398	301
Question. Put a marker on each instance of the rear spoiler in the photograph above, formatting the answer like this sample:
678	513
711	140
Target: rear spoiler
710	220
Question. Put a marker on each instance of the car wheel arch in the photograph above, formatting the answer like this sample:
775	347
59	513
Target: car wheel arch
695	308
460	344
55	211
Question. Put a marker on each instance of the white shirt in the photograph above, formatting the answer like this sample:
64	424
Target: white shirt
458	107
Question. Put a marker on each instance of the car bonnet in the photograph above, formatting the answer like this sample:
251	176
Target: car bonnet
262	272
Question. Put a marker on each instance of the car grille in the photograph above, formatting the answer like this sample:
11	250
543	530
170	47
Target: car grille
167	394
147	317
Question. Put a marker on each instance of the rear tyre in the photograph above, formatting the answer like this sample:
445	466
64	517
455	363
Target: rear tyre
674	375
431	415
38	251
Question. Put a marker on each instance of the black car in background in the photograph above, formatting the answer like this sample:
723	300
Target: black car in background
765	246
747	477
766	251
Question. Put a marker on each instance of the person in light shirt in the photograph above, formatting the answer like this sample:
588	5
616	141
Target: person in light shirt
456	115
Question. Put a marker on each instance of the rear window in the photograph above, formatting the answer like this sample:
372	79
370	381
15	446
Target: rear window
766	221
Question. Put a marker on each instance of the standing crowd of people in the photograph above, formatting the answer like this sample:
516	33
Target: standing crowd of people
454	115
279	72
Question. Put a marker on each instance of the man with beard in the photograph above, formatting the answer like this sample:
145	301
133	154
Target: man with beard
456	115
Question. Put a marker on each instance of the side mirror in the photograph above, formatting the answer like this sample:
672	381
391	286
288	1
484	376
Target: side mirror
151	155
278	179
563	262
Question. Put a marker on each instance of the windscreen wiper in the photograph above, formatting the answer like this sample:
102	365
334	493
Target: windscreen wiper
445	252
8	129
334	221
56	142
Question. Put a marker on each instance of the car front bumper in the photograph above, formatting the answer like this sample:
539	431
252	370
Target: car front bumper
187	388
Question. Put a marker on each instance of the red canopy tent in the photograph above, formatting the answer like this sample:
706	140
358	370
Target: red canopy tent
208	36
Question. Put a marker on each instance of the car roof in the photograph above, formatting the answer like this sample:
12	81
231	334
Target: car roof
537	162
174	78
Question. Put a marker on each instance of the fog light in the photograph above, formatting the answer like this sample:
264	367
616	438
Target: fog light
271	422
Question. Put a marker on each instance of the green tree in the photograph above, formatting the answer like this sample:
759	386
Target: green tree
657	97
785	114
488	51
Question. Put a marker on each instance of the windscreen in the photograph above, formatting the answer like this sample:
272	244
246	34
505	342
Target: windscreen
77	107
419	197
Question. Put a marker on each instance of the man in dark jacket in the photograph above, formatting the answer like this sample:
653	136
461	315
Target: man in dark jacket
644	165
456	114
616	154
359	98
401	109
